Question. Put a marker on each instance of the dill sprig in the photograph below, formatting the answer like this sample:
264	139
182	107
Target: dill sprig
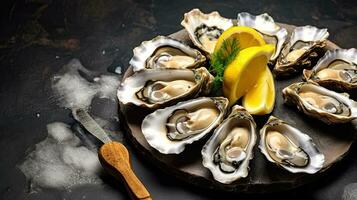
221	59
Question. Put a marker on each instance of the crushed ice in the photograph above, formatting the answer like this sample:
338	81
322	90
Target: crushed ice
61	161
67	157
76	86
350	192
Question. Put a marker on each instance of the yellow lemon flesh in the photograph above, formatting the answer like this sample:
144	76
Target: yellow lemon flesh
247	37
242	74
261	98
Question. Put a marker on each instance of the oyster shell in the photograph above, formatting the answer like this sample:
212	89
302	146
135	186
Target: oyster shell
337	69
321	103
160	87
228	152
289	148
164	52
264	24
168	130
204	29
302	51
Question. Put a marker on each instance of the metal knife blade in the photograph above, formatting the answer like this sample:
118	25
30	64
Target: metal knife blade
90	125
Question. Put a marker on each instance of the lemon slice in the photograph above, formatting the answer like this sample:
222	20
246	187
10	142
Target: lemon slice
242	74
247	37
261	98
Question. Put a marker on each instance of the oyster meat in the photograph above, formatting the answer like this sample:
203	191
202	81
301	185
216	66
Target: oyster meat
228	152
265	25
302	51
289	148
160	87
204	29
321	103
164	52
170	129
337	69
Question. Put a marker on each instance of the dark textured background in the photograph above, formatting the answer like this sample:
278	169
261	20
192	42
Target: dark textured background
37	37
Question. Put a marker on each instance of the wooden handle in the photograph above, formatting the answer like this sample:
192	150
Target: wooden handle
114	157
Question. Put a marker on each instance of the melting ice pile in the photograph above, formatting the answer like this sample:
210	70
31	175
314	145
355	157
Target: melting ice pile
61	161
76	86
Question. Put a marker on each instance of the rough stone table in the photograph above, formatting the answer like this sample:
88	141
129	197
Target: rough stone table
37	37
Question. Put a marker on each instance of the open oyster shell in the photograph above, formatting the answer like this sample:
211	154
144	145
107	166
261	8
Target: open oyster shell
228	152
164	52
161	87
302	51
204	29
264	24
321	103
337	69
289	148
170	129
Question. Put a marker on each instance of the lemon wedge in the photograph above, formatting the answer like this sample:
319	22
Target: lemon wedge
247	37
261	98
243	72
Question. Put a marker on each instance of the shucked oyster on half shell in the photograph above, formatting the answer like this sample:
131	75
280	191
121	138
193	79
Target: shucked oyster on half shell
170	129
264	24
302	50
321	103
289	148
204	29
161	87
228	152
164	52
337	69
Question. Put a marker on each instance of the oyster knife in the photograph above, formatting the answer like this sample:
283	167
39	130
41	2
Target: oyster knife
113	156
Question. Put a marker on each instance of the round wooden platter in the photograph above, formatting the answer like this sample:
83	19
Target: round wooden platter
334	141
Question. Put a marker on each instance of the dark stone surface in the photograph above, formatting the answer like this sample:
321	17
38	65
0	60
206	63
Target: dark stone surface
34	32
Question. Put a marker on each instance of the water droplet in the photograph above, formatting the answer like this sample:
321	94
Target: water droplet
118	70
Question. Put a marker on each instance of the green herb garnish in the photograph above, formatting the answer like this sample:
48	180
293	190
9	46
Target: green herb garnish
221	59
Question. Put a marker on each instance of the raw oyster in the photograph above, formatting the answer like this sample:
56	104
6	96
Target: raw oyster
337	69
264	24
228	152
302	51
160	87
164	52
204	29
168	130
321	103
289	148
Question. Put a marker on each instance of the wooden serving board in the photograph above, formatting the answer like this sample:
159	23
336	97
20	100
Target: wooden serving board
334	141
